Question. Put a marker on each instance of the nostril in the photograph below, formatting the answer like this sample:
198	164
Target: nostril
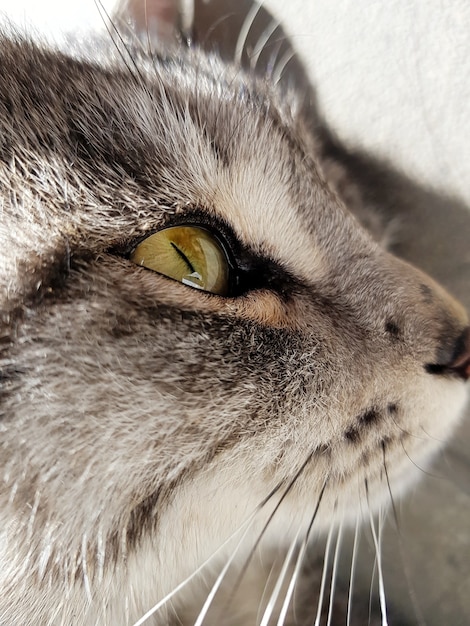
460	363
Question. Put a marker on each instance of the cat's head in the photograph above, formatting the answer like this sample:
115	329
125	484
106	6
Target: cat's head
145	419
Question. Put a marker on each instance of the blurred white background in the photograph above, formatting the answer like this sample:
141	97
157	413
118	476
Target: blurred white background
394	76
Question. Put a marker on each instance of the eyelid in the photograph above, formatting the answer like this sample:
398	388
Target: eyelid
250	271
218	227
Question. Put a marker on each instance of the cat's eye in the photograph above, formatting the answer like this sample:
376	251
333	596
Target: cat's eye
189	254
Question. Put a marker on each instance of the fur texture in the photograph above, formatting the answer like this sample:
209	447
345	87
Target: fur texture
142	421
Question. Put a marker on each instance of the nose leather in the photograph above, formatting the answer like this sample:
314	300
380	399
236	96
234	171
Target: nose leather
460	363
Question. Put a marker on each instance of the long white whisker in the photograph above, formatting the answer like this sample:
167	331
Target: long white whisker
281	66
381	524
299	561
411	590
244	32
284	495
245	526
371	590
353	570
262	41
378	552
186	10
218	582
293	581
280	580
323	576
147	31
334	571
271	65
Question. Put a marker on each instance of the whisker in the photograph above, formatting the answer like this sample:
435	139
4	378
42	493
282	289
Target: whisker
186	10
271	65
409	580
147	32
371	591
353	570
436	476
279	69
113	31
182	584
432	437
334	571
300	559
449	455
387	480
262	41
408	432
244	32
280	580
323	576
219	580
106	19
203	43
269	520
120	24
378	552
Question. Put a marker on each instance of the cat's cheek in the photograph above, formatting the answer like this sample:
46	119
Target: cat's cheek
435	412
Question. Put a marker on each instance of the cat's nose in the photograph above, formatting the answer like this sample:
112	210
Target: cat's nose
460	362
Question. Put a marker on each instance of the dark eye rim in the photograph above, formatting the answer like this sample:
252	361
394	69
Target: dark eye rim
248	270
233	270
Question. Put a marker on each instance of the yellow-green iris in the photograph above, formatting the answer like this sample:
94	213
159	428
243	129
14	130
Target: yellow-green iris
188	254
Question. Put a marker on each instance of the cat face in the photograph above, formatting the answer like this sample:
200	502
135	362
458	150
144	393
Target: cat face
144	420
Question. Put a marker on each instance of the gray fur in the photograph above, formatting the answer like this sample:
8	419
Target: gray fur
142	421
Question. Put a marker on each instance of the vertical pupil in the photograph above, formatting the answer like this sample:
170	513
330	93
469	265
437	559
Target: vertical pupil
188	254
183	256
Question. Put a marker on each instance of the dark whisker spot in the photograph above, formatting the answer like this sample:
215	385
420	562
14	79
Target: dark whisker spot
385	442
352	434
369	417
392	408
392	329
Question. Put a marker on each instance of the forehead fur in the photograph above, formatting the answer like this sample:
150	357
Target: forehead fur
137	146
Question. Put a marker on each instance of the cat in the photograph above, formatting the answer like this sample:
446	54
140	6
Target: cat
202	348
